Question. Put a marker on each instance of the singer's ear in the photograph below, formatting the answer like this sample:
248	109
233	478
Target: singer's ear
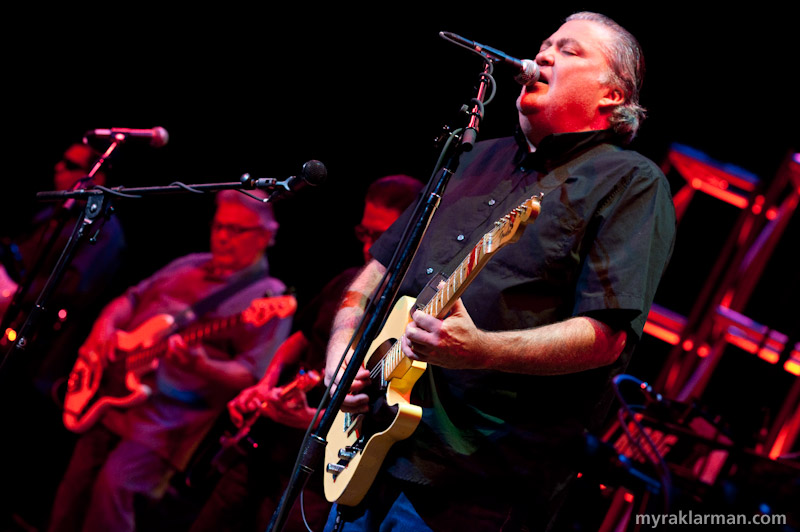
612	98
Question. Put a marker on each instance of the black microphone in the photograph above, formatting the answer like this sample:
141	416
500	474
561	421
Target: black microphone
527	70
313	173
158	135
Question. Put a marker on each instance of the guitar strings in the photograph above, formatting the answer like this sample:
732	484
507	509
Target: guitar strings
467	267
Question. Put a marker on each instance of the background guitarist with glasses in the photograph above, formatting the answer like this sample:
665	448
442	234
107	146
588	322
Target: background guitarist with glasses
523	363
132	452
247	494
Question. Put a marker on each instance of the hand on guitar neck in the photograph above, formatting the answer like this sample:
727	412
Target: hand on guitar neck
453	342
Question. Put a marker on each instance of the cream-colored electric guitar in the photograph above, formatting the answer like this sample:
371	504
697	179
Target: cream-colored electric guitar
357	443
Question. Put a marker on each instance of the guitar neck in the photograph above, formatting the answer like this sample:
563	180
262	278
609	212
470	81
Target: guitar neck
143	358
506	230
447	294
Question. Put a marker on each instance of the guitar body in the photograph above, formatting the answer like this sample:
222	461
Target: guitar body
92	389
358	443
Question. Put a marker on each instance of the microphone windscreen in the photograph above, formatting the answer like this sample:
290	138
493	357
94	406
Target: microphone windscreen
160	137
529	73
314	172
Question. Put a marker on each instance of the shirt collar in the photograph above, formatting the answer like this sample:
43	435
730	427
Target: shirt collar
558	148
213	273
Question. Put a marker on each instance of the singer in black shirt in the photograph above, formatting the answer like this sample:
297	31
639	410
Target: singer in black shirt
522	365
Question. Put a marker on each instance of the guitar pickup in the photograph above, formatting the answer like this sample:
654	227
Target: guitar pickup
353	424
75	381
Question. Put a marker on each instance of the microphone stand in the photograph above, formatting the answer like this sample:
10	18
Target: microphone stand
313	447
97	208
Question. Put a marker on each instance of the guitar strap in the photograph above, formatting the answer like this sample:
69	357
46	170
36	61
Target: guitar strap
211	301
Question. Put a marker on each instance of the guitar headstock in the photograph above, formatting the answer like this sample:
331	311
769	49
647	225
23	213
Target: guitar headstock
507	228
264	309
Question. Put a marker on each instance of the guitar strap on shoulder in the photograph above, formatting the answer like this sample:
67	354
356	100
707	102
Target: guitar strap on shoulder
211	301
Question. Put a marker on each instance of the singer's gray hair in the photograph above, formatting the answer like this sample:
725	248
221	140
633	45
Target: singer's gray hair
626	59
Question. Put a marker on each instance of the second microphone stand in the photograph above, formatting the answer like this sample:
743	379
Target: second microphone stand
95	210
98	207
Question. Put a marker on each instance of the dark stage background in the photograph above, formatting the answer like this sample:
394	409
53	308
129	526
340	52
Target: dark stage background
261	91
264	89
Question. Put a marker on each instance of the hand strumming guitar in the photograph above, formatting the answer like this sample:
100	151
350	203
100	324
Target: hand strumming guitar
290	409
100	344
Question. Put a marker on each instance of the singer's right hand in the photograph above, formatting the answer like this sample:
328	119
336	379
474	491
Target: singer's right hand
355	400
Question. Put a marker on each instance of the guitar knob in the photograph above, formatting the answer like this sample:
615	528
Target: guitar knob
334	468
346	454
75	381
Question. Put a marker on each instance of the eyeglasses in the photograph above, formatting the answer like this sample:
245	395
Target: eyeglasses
231	229
365	234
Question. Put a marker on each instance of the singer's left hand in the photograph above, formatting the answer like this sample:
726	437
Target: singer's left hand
454	342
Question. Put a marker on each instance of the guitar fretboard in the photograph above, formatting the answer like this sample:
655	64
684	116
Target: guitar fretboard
142	358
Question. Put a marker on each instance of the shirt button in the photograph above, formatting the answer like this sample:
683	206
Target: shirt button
460	238
429	271
492	202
